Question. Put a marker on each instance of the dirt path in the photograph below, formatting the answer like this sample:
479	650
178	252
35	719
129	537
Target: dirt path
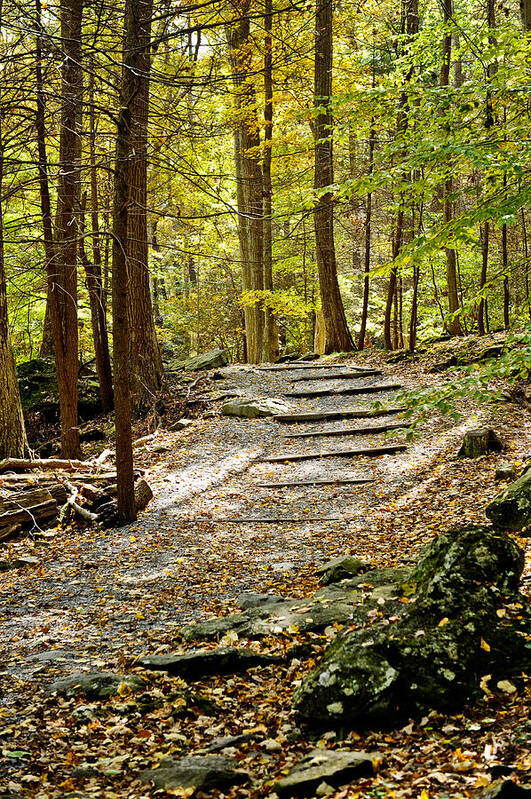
100	596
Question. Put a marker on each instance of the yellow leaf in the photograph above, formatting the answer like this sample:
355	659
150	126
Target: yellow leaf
424	794
484	645
443	621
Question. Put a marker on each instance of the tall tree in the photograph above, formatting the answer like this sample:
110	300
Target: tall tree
248	172
409	27
93	270
120	283
62	270
337	337
12	433
270	346
144	352
454	324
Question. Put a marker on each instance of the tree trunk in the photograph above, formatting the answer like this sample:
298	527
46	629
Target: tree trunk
144	353
270	343
248	177
97	319
525	9
489	122
94	275
367	253
12	433
454	325
62	271
46	348
410	26
337	337
120	317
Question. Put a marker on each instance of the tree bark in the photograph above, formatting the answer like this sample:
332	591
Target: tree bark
454	324
120	304
12	432
62	271
410	26
47	346
144	352
337	337
270	343
248	177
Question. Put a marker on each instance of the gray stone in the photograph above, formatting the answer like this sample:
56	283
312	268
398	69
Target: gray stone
218	744
249	599
253	408
207	360
180	424
202	773
302	616
199	663
341	568
95	685
431	651
505	471
332	766
503	789
511	510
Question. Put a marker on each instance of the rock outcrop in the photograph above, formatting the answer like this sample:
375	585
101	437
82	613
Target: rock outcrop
511	510
431	647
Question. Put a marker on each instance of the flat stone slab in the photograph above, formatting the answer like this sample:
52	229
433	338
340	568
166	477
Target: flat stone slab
249	599
202	662
95	685
334	767
206	360
335	604
341	568
256	407
196	773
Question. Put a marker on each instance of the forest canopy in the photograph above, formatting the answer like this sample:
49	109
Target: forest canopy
262	176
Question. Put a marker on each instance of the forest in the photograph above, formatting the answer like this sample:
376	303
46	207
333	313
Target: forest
221	224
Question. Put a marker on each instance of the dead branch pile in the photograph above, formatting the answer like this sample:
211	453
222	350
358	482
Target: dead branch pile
38	493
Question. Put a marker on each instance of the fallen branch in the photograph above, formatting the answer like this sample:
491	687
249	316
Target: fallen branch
19	464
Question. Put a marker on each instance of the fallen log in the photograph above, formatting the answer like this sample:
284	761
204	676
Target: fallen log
20	464
289	367
348	413
10	531
328	392
330	482
348	431
43	511
339	453
339	376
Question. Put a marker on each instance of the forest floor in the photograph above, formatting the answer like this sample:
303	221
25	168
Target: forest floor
98	600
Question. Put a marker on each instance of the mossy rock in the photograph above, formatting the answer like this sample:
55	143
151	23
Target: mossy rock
39	393
511	510
431	651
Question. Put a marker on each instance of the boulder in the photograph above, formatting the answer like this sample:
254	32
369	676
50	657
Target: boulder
252	408
334	767
341	568
203	773
199	663
511	510
95	685
431	651
479	442
206	360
